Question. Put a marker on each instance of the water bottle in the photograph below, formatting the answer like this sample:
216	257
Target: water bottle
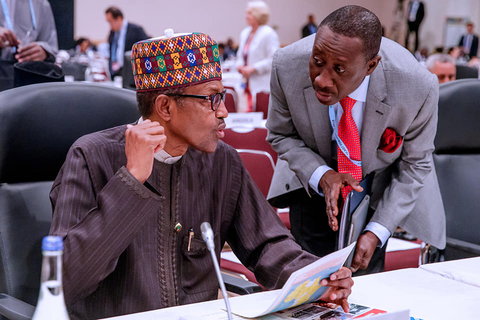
51	304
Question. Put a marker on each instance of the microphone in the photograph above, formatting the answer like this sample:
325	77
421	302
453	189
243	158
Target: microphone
207	235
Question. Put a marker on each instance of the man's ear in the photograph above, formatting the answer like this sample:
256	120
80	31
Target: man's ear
162	107
372	64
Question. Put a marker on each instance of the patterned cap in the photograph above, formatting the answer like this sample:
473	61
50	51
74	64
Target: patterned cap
175	60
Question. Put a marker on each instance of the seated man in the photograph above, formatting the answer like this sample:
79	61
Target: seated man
443	66
127	199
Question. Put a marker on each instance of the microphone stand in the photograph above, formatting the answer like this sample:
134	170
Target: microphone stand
207	235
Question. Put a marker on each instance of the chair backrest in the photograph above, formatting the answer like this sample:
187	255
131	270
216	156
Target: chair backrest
261	103
465	72
457	158
38	124
260	165
75	69
230	103
254	139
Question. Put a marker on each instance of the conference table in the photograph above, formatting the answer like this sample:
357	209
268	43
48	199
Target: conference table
440	291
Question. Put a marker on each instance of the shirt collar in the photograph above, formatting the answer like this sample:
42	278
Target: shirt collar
162	155
360	94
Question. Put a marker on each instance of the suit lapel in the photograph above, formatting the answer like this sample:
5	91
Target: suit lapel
374	118
319	122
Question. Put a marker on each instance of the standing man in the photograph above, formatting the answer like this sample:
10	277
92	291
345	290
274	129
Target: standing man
123	35
384	108
415	15
469	42
310	27
129	200
27	33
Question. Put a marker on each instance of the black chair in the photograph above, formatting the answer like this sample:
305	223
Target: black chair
38	124
465	72
457	161
75	69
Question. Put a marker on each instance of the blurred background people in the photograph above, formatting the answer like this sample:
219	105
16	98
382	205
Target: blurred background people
83	48
123	35
415	14
469	41
421	55
230	49
258	42
27	33
310	27
443	66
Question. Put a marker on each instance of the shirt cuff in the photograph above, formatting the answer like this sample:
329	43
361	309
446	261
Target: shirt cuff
380	231
316	176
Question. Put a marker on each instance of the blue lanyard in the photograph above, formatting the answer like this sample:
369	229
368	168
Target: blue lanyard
341	145
8	18
6	13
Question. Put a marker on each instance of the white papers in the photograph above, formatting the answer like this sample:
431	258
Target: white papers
230	256
395	244
301	287
465	271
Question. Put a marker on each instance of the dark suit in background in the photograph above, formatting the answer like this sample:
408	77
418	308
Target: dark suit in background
134	33
308	29
469	48
415	15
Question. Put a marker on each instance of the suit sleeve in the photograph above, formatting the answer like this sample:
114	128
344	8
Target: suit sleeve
97	222
414	165
283	135
47	34
260	240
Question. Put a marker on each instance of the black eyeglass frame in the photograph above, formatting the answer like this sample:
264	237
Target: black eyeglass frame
210	98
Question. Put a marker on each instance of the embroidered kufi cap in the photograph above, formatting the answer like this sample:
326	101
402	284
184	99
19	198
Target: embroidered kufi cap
175	60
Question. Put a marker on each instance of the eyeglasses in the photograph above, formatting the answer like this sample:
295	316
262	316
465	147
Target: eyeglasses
215	99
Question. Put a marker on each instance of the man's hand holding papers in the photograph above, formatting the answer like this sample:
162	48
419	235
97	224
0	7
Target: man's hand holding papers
340	286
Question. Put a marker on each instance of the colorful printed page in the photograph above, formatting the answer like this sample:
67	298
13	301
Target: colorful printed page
302	286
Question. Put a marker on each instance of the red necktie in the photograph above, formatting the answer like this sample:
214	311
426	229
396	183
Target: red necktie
348	134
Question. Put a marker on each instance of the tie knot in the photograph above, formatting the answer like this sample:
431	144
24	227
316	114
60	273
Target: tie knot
347	104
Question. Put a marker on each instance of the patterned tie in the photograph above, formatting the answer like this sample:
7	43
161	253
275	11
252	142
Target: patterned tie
348	134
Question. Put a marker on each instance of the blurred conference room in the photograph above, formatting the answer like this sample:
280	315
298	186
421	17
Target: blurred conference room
67	69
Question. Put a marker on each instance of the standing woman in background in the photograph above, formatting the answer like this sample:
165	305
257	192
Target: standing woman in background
258	42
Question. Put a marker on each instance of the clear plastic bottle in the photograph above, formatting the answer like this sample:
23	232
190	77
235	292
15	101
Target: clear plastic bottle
51	304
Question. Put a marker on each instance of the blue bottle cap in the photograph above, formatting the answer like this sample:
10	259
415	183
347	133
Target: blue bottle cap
52	243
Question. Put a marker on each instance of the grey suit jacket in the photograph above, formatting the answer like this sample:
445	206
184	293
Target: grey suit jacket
403	96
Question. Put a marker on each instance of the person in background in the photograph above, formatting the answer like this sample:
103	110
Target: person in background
83	47
415	15
129	200
230	50
258	42
27	33
310	27
421	55
123	35
443	66
469	42
346	105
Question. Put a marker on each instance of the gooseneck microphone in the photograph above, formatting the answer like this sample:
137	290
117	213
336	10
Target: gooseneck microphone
207	235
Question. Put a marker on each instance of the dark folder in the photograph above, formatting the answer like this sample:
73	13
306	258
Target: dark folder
354	217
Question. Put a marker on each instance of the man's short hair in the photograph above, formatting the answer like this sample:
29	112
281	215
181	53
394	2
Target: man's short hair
357	22
438	57
115	12
146	99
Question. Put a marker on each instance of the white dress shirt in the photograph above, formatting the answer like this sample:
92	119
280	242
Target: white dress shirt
121	43
360	95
